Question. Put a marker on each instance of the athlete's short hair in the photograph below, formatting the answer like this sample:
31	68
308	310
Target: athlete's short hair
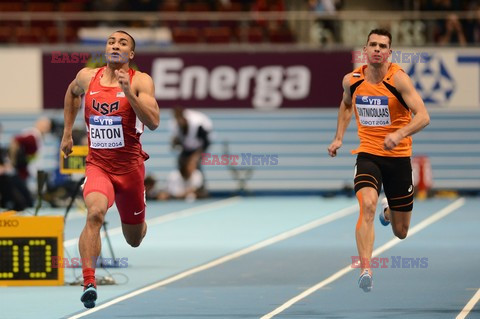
384	32
133	40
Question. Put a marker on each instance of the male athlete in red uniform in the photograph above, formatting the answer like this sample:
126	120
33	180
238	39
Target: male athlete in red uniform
118	103
383	99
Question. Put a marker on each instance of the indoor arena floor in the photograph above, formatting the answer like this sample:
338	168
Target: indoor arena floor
271	257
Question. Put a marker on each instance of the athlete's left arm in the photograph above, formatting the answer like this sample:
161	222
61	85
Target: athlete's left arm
142	99
415	103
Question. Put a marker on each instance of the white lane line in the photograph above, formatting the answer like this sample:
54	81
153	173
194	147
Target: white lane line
342	272
272	240
469	306
169	217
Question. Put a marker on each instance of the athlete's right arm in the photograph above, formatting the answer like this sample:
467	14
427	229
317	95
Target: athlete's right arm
73	102
344	116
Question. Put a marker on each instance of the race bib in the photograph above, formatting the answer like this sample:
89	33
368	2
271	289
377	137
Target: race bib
373	110
106	132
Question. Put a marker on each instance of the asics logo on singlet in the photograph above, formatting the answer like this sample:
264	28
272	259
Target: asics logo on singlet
105	108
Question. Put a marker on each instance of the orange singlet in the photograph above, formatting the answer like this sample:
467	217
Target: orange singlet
379	111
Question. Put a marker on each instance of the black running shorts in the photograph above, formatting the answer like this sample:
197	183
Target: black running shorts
394	173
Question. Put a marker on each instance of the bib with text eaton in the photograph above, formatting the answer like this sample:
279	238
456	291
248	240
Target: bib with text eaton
106	132
372	110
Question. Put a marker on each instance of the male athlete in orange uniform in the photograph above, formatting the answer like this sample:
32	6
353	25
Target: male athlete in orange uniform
118	103
383	99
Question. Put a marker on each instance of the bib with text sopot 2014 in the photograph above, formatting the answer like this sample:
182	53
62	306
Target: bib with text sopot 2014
106	132
373	110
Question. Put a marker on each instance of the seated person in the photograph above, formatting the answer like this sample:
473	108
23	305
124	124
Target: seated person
185	183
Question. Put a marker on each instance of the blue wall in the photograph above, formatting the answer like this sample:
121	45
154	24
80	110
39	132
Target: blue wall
300	139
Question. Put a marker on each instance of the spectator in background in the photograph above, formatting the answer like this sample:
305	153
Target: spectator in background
25	147
151	190
184	184
14	169
326	6
5	182
453	32
472	29
266	6
324	29
180	185
191	134
449	30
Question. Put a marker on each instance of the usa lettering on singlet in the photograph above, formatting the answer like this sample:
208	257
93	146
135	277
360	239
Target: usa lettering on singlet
372	110
106	132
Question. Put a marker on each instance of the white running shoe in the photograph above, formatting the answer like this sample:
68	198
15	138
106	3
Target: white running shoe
381	216
365	281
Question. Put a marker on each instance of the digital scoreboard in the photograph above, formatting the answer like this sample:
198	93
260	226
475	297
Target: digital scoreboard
27	245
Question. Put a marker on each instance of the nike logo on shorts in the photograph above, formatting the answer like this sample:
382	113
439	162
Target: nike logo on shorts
138	213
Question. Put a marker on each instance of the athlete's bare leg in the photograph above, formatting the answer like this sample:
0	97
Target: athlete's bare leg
89	243
365	233
134	233
400	222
